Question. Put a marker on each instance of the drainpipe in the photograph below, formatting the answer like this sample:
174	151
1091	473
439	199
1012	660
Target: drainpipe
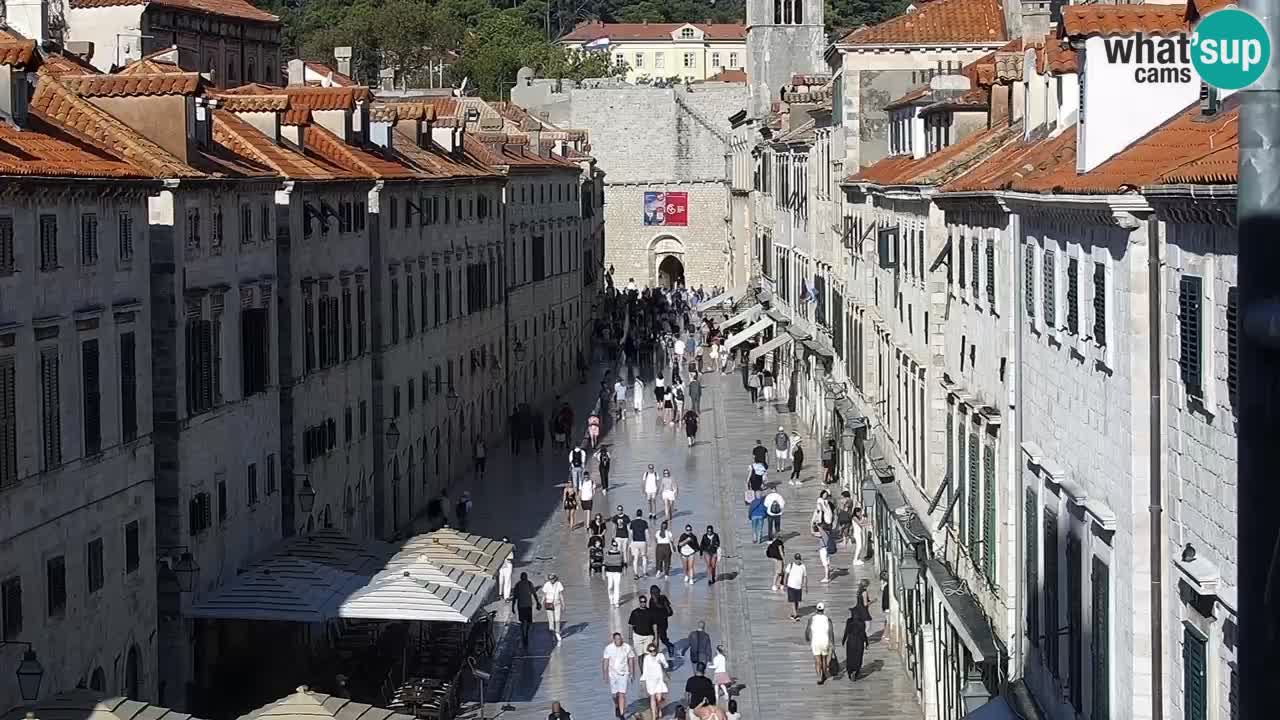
1015	452
1156	450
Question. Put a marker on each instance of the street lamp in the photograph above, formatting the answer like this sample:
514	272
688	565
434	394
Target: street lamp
519	351
975	694
30	672
306	497
392	434
564	328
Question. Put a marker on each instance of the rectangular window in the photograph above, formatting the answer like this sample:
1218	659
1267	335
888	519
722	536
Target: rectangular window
124	236
346	322
132	548
1049	276
715	59
408	306
11	609
321	310
251	483
976	266
991	272
1029	282
215	230
1073	296
1051	620
690	60
639	61
1032	559
265	222
55	573
91	389
128	387
975	509
413	397
347	428
8	423
7	260
362	319
1195	681
1075	623
659	62
989	549
222	501
364	418
271	474
93	561
308	327
255	351
246	223
1100	304
1189	326
733	60
193	227
1233	342
50	408
1100	633
395	311
200	366
395	401
199	518
48	243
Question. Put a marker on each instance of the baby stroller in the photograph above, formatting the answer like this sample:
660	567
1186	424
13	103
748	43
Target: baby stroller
595	555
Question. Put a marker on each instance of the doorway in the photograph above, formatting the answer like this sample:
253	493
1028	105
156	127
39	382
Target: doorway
670	272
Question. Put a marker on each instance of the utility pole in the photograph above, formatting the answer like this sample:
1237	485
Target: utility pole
1258	528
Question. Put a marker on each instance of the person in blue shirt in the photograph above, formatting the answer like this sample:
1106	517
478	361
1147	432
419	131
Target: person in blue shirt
757	513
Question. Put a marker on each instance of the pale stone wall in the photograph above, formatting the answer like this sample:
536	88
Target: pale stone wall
635	249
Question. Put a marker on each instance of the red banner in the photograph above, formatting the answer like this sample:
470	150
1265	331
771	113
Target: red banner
666	208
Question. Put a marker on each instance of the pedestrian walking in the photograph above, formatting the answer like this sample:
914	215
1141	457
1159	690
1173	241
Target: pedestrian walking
753	387
710	549
781	445
577	464
523	597
691	427
595	555
641	622
797	581
650	482
603	462
622	531
699	691
504	578
821	636
569	499
653	673
824	512
760	454
698	645
553	603
859	532
695	393
463	510
479	455
538	426
668	487
855	643
797	463
639	544
660	607
669	409
613	564
637	396
620	398
862	608
558	712
587	493
662	543
844	519
776	551
688	547
774	504
720	673
756	513
829	462
597	527
826	548
618	665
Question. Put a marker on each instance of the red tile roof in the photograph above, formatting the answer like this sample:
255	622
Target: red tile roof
511	150
940	166
133	85
1221	166
254	103
435	163
595	30
729	75
1057	57
238	9
1197	9
1011	163
59	64
338	78
322	145
938	22
296	116
149	66
44	150
244	139
1149	18
19	53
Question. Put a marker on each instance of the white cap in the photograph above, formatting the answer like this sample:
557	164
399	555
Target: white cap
781	429
821	607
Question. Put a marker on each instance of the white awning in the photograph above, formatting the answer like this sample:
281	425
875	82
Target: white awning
748	314
997	708
774	344
709	303
751	331
314	578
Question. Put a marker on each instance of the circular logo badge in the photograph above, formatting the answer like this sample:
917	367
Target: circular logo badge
1230	49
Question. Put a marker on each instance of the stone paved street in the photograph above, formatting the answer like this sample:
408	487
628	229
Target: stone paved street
767	653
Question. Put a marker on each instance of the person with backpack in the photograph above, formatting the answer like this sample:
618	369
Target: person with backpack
577	464
774	504
757	475
756	513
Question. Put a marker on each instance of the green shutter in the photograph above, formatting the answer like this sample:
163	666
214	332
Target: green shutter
1032	535
960	482
989	514
974	518
1051	616
1194	680
1075	622
1101	634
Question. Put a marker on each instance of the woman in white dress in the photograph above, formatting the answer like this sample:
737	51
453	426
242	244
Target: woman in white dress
651	491
653	673
637	396
668	493
720	673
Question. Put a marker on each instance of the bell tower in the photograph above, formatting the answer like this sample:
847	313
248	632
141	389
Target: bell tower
784	37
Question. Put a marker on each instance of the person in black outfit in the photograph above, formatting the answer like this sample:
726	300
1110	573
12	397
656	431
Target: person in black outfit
797	459
760	454
855	642
660	608
558	712
523	598
698	690
641	621
710	549
604	461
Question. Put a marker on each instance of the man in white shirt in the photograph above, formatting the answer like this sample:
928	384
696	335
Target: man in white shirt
618	665
797	580
774	503
620	397
577	464
553	603
821	635
504	577
587	494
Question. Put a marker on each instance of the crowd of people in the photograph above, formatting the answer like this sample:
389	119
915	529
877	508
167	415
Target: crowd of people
652	333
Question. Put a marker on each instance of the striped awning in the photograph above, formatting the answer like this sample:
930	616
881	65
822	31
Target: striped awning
712	302
774	344
749	314
751	331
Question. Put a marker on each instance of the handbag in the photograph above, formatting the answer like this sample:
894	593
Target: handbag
748	495
833	665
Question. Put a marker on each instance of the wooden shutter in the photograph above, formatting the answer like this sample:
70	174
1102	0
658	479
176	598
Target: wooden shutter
989	514
206	364
1194	674
1029	282
1073	295
1233	343
1100	304
92	400
1075	622
8	422
1051	619
128	387
1101	634
51	411
1049	277
1032	559
1189	325
975	480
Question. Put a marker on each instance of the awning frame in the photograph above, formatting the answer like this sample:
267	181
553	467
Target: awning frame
749	332
779	340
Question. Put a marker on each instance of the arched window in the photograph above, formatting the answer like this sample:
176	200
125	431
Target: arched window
231	71
250	71
98	680
133	673
326	517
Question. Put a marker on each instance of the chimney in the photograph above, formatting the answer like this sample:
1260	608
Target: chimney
561	146
445	137
359	122
14	94
295	134
297	72
387	79
1210	100
343	56
380	134
1035	19
29	17
204	122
